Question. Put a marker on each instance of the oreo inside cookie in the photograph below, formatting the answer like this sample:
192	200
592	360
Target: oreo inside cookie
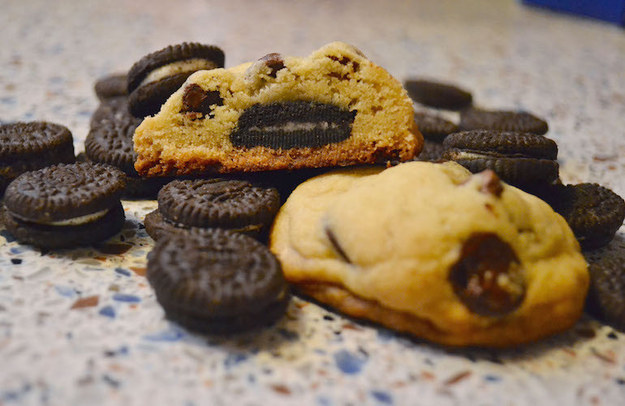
218	282
295	124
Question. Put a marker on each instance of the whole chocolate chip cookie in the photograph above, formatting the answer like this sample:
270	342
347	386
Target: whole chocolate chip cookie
434	251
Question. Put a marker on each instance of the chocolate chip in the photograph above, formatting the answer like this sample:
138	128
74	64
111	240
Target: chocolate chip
197	100
345	61
274	62
488	276
335	244
491	184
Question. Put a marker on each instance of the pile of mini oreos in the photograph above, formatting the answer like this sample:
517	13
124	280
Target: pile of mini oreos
513	145
210	267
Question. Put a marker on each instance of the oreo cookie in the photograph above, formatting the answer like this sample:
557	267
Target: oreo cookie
111	86
65	205
434	129
594	212
292	124
502	120
30	146
110	142
235	205
437	94
112	109
520	159
156	76
606	294
217	282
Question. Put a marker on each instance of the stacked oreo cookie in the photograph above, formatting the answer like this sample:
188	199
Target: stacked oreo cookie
207	271
64	205
204	204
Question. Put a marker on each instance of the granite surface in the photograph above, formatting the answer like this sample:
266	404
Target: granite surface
82	326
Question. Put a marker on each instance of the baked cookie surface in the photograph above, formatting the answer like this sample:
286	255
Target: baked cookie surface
434	251
332	108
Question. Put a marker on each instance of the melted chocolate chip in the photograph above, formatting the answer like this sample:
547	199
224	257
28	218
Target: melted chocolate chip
491	184
346	61
488	276
197	100
342	60
335	244
274	62
294	124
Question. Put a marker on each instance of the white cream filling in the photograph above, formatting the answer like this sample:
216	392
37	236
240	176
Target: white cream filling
296	126
75	221
468	155
189	65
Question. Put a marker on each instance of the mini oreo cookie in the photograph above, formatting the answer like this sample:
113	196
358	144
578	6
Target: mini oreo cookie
217	282
432	151
64	205
594	212
157	227
502	120
156	76
113	109
30	146
292	124
235	205
520	159
110	142
434	129
606	294
437	94
110	86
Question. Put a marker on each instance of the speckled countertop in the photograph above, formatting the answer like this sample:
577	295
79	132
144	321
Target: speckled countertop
82	327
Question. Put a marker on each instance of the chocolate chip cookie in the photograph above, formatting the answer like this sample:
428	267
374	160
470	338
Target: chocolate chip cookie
434	251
